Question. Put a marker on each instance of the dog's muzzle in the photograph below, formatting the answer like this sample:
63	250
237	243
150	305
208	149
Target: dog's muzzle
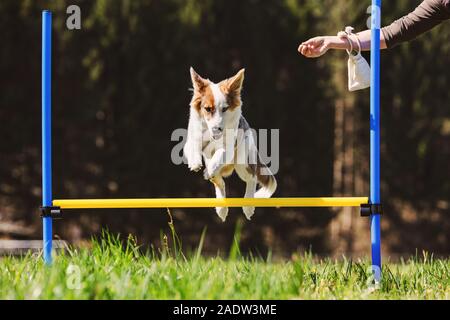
217	132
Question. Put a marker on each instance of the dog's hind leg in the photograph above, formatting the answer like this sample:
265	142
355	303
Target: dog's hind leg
249	193
219	185
250	179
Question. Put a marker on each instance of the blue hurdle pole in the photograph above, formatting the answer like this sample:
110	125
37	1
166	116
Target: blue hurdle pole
46	131
375	138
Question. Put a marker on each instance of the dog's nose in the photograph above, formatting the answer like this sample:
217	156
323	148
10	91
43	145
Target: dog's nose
217	130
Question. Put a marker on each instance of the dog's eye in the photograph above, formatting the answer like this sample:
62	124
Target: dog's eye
208	109
225	109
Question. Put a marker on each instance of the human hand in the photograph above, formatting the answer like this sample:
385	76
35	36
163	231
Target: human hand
315	47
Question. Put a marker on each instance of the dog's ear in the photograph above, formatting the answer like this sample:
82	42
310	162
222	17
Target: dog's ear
198	82
232	88
233	85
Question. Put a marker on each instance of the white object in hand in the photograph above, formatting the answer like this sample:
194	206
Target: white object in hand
358	68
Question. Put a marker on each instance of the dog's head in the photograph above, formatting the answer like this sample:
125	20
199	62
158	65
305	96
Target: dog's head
217	102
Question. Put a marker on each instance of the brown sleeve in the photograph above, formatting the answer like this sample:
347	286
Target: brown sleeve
426	16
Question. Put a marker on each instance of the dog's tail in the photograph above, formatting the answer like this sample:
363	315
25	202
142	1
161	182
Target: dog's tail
267	181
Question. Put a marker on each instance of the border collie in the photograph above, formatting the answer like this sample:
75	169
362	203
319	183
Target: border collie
218	133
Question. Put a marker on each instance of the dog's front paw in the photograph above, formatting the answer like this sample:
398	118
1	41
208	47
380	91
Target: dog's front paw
249	212
211	170
195	166
193	157
206	174
195	163
222	212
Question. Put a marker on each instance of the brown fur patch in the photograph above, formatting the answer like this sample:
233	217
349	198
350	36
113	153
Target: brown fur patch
203	99
196	101
208	102
256	169
233	97
251	169
227	170
218	182
264	179
231	88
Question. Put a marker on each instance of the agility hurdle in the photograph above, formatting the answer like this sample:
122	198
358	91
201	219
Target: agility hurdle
209	202
371	207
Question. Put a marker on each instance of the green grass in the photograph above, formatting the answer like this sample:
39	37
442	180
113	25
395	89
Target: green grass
110	269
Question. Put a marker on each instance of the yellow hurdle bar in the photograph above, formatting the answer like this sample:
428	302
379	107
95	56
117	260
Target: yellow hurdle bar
209	202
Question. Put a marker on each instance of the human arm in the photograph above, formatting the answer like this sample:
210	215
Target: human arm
426	16
318	46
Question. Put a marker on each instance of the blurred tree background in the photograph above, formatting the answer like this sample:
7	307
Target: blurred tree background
120	87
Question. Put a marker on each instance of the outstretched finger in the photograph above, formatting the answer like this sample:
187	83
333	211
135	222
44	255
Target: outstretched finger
308	42
305	51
